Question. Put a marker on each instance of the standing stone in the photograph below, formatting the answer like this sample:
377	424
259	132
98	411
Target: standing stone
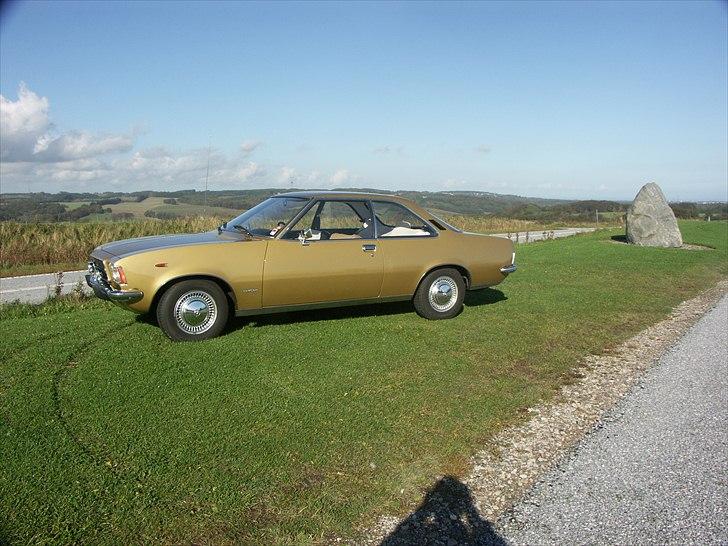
650	220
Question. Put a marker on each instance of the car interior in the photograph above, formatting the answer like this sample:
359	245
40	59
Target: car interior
335	220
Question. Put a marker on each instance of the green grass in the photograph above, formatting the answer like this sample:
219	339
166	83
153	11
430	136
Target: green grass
294	428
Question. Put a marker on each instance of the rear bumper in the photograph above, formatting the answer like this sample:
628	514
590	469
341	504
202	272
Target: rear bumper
102	290
507	270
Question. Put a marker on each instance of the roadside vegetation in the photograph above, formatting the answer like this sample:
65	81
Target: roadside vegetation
29	248
300	427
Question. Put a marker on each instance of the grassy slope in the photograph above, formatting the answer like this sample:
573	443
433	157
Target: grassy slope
301	425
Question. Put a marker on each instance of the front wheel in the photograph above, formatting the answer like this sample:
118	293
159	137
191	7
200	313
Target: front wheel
440	294
193	310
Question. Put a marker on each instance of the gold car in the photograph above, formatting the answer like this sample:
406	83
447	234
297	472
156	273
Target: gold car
300	250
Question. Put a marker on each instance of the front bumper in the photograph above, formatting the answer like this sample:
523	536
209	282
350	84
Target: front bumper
102	290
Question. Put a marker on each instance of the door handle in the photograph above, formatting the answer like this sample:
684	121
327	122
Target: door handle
369	248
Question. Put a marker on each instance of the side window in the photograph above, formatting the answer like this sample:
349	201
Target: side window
338	215
394	220
335	220
304	223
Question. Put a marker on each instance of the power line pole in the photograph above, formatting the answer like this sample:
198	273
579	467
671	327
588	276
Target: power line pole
207	175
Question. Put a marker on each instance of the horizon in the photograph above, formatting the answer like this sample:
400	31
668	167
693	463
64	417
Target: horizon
543	100
350	189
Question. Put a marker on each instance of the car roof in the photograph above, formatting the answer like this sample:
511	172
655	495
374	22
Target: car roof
328	194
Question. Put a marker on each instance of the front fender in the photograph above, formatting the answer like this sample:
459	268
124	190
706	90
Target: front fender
237	266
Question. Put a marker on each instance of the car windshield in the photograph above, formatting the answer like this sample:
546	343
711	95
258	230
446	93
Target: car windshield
269	217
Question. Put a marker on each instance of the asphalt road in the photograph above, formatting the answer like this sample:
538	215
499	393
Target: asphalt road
656	472
532	236
36	288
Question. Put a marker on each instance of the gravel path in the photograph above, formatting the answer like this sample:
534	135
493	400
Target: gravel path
656	471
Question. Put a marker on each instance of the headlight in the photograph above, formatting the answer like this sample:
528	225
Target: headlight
117	273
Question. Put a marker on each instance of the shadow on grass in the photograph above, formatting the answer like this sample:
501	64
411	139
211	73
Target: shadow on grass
487	296
477	298
619	238
447	515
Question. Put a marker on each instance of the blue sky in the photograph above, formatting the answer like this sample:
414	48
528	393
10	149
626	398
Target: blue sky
573	100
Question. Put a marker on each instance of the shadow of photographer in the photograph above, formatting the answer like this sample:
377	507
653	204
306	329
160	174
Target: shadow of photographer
446	516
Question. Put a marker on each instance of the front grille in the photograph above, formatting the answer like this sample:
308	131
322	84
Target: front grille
98	265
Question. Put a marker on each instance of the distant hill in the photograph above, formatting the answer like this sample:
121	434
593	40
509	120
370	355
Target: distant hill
468	202
66	206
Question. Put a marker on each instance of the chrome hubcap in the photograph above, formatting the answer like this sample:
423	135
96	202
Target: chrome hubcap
443	294
195	312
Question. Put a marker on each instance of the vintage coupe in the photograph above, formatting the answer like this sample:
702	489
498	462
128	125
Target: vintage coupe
300	250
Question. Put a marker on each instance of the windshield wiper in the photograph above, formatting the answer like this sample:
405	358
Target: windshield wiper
241	227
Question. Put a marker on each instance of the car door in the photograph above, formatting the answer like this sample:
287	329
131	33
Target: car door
338	261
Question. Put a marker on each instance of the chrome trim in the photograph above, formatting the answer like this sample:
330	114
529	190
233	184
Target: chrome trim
319	305
443	294
507	270
103	291
195	312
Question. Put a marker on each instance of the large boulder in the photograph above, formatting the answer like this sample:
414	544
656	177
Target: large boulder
650	220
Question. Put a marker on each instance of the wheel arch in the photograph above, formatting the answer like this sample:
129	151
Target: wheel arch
462	269
222	283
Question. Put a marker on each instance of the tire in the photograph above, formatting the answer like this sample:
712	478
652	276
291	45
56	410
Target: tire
440	295
193	310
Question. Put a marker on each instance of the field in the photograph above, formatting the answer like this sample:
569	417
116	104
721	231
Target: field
300	427
157	205
28	248
47	247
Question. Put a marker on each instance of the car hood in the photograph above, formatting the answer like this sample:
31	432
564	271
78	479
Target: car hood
144	244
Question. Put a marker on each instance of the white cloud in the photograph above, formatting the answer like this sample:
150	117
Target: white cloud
313	178
28	134
249	146
77	145
250	172
36	157
342	176
287	174
22	123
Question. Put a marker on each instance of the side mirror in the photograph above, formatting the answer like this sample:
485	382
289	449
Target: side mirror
304	236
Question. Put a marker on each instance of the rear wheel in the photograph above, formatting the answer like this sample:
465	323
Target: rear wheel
440	294
193	310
